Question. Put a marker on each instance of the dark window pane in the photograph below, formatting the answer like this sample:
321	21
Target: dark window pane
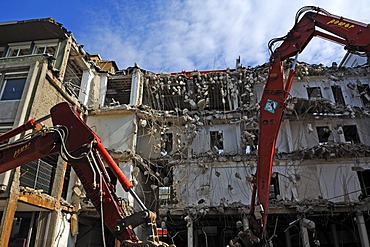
314	92
323	134
338	95
13	89
351	134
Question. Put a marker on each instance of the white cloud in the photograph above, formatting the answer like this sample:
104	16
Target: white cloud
167	36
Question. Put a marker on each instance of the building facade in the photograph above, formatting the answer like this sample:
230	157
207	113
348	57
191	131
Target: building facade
41	64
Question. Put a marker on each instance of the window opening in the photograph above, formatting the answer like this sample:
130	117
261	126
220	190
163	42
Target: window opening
364	91
364	179
167	143
217	142
24	226
39	174
274	186
323	133
351	134
13	89
164	194
251	139
45	47
314	92
13	86
338	95
17	50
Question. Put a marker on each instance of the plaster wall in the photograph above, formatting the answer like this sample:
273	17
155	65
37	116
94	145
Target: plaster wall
117	131
222	184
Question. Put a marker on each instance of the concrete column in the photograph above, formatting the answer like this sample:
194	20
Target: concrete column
341	136
362	230
56	192
103	89
84	92
137	88
287	239
333	229
190	228
304	235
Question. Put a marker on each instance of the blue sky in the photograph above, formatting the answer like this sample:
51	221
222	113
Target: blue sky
168	35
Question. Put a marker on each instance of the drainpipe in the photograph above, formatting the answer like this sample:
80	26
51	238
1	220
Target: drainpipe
362	229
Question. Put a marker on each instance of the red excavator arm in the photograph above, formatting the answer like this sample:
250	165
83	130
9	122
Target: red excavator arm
355	37
83	149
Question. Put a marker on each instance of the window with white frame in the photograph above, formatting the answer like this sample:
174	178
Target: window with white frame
12	86
19	49
45	47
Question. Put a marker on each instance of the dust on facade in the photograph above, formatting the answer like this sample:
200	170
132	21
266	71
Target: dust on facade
188	141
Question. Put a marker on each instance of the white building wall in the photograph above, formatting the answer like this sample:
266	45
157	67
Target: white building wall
225	184
117	131
212	185
83	95
64	237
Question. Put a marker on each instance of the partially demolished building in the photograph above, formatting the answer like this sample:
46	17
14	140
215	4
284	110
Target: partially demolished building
189	143
197	136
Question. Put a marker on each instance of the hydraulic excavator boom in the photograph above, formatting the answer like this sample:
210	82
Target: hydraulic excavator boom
355	36
83	149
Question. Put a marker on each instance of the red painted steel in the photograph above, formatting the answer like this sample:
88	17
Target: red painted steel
355	36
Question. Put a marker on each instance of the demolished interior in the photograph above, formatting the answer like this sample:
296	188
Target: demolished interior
197	140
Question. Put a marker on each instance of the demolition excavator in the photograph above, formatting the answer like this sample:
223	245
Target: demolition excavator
83	150
355	36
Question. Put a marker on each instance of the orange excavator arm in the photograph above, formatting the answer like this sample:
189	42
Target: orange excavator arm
83	149
355	37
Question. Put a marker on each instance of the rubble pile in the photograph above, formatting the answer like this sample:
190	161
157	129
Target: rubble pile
215	90
327	151
334	73
323	107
